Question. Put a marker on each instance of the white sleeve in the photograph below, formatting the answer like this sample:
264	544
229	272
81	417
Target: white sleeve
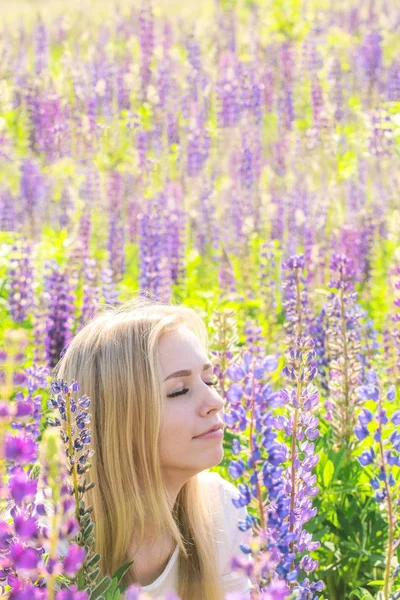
235	581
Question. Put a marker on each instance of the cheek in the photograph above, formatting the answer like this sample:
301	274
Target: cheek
175	430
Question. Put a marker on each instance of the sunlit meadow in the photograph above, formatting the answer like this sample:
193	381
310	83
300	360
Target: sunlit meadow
242	158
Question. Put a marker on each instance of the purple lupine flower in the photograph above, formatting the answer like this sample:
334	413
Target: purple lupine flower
393	82
60	308
298	318
227	92
109	291
226	276
301	427
336	77
317	101
146	39
380	139
343	342
32	193
382	455
41	47
371	54
155	271
21	296
116	235
24	538
8	211
253	400
176	224
80	251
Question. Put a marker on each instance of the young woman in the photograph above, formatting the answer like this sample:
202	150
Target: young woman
146	370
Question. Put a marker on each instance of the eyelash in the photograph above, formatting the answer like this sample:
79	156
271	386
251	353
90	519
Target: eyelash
185	390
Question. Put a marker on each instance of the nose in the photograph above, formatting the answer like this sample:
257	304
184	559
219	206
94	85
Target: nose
212	399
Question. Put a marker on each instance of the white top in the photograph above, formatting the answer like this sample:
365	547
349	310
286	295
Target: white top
228	537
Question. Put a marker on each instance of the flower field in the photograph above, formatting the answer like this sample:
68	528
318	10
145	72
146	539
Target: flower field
242	160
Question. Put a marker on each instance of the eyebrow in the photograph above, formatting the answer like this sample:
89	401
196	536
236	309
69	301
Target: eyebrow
186	372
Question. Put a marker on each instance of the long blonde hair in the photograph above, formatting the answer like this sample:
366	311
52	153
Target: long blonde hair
114	360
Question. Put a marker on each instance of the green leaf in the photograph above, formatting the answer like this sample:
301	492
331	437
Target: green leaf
93	561
328	472
361	594
100	589
378	582
122	570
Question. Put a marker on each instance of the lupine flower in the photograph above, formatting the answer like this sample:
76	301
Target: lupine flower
266	281
301	428
72	420
251	399
155	273
297	311
59	311
25	539
382	455
146	38
21	281
227	97
116	235
109	291
91	292
343	336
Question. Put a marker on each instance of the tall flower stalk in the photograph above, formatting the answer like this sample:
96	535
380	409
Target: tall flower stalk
382	460
344	345
300	425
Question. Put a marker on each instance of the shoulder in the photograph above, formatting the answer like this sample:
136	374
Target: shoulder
230	527
230	521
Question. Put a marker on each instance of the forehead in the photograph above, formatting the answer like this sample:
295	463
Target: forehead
180	349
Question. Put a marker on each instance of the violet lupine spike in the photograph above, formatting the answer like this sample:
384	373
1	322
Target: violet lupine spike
31	193
300	425
298	317
381	126
39	334
226	276
30	404
393	82
9	220
60	308
41	48
255	341
146	39
50	127
225	340
155	272
176	224
110	295
370	56
91	292
317	101
335	76
344	347
66	208
267	282
20	284
228	114
250	399
116	234
25	539
382	455
394	333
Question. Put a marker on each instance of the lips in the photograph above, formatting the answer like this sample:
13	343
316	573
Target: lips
213	428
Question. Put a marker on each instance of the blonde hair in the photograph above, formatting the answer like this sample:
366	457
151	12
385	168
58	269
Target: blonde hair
114	360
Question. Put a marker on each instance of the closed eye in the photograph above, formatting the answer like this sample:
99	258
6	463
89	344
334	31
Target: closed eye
185	390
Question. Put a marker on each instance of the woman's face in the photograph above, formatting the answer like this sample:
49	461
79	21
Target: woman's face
191	412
